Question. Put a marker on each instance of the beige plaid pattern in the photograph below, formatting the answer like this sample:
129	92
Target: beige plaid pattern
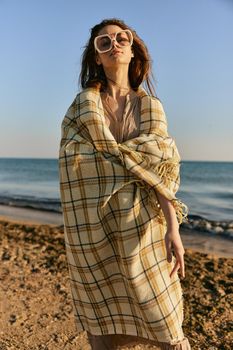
114	227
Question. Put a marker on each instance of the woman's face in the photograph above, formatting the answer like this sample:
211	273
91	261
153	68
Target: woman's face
117	55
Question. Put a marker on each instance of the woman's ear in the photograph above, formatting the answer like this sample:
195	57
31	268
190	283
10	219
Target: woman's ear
132	54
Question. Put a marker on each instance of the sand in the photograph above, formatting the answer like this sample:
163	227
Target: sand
35	302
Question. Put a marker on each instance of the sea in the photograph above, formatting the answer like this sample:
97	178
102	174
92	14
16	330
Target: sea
205	187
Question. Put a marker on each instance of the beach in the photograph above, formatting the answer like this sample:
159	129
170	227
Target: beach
36	307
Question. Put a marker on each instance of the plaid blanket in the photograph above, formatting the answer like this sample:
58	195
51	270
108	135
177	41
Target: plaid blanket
113	225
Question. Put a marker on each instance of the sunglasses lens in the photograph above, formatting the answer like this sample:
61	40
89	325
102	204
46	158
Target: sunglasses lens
123	38
103	43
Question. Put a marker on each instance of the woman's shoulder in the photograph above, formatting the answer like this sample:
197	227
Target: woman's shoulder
144	93
89	93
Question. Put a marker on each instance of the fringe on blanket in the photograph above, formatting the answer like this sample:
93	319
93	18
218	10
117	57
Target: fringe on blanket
180	208
167	171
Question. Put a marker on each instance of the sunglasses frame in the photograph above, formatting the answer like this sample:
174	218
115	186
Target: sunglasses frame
114	38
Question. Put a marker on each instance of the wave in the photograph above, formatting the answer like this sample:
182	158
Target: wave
216	227
44	204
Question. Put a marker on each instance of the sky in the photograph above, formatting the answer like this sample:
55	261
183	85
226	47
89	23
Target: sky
190	42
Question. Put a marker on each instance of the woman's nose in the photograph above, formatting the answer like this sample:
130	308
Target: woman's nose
114	42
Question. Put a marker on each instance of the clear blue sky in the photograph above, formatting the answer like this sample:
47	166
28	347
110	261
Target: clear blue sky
191	45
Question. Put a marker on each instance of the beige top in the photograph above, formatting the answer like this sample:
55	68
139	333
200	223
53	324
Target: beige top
128	126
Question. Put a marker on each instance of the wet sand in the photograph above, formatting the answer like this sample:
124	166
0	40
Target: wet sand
30	215
35	302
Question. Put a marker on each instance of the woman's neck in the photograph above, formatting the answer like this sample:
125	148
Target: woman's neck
118	84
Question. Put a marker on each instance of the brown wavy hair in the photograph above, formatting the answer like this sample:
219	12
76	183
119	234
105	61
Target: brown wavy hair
140	67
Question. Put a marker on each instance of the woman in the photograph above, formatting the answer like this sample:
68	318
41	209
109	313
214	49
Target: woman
119	172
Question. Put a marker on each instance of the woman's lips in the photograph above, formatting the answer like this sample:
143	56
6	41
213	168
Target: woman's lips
115	52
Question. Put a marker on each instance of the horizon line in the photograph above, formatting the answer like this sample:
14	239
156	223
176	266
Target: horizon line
182	160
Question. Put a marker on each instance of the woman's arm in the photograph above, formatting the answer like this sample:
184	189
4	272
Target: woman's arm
172	236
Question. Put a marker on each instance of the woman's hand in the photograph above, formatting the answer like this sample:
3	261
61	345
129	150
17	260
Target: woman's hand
172	236
173	240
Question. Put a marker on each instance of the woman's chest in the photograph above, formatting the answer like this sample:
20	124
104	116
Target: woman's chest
123	119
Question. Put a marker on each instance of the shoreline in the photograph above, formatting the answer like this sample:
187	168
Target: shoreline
194	239
30	216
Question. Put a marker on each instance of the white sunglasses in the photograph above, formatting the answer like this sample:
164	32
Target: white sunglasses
103	43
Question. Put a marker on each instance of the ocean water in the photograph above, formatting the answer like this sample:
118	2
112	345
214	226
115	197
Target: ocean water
206	187
30	183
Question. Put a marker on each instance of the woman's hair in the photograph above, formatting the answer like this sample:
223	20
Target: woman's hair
140	71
